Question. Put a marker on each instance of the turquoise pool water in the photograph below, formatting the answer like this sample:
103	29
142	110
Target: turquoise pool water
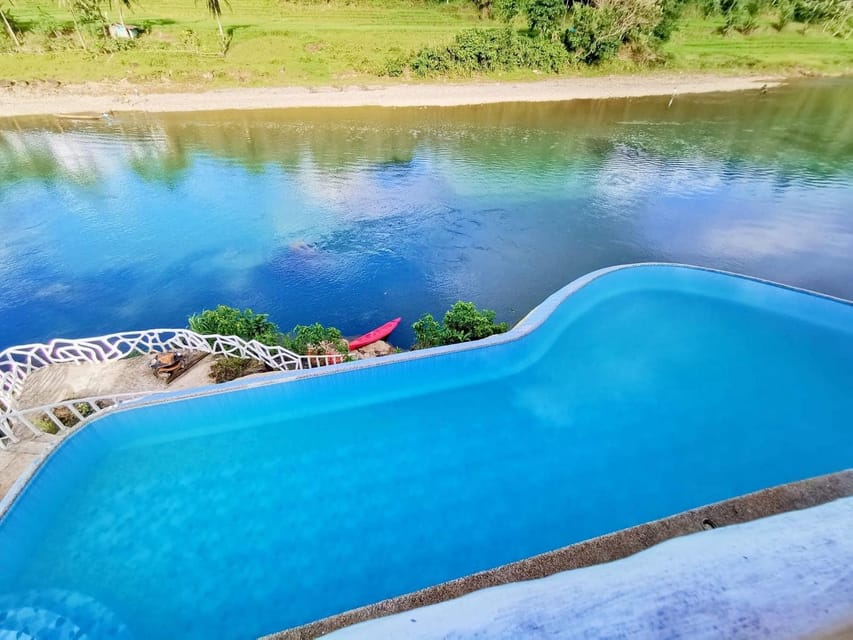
647	391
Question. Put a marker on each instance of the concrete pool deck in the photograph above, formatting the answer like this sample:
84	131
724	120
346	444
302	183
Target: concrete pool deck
786	577
605	549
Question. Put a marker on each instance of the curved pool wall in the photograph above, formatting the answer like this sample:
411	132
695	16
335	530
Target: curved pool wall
632	394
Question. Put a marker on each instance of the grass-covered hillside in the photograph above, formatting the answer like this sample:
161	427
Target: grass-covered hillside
345	42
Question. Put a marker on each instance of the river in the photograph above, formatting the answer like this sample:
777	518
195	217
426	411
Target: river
351	217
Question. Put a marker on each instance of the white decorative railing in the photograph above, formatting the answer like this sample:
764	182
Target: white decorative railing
60	417
16	363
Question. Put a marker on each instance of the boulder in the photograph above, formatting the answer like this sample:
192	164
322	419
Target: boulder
375	350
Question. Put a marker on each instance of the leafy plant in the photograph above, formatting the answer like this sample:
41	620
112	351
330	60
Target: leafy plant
226	369
462	322
428	332
315	338
670	14
465	322
545	16
228	321
596	33
84	409
592	36
46	424
507	10
479	50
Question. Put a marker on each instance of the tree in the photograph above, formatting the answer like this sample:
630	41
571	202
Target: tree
9	30
228	321
215	8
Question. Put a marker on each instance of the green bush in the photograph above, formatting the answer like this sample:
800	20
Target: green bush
479	50
462	322
508	10
670	14
428	332
226	369
545	16
228	321
315	338
592	36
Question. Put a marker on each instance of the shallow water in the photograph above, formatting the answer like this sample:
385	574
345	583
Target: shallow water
355	216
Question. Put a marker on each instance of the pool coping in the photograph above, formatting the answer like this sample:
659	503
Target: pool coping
610	547
530	322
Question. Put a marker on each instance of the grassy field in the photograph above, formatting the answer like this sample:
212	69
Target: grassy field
343	42
698	46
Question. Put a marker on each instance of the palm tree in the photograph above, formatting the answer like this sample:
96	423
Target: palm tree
8	26
215	8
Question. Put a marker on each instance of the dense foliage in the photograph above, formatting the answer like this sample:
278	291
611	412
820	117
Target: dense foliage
481	50
228	321
595	31
462	322
314	339
227	369
555	36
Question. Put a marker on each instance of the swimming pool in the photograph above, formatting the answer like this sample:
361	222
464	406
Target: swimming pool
632	394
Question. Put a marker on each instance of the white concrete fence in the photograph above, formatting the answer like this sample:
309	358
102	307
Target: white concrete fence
16	363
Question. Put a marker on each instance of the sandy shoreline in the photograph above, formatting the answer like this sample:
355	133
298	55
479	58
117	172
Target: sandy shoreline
43	98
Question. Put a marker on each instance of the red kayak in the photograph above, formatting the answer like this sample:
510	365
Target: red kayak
372	336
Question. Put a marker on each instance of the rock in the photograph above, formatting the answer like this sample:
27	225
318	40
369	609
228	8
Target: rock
375	350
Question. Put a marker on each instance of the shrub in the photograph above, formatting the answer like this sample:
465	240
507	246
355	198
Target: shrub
315	338
545	16
592	36
226	369
228	321
46	424
428	332
670	13
465	322
597	32
508	10
478	50
462	322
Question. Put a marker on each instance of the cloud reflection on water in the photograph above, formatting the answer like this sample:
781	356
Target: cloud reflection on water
354	216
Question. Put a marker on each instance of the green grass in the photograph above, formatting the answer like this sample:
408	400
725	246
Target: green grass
344	42
699	46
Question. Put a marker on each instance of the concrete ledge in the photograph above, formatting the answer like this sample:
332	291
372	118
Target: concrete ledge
614	546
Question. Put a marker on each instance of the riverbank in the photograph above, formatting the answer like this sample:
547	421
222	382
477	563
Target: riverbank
21	99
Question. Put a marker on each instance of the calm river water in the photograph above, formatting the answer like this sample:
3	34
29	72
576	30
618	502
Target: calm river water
351	217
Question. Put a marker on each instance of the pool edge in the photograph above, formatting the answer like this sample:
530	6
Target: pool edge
801	494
